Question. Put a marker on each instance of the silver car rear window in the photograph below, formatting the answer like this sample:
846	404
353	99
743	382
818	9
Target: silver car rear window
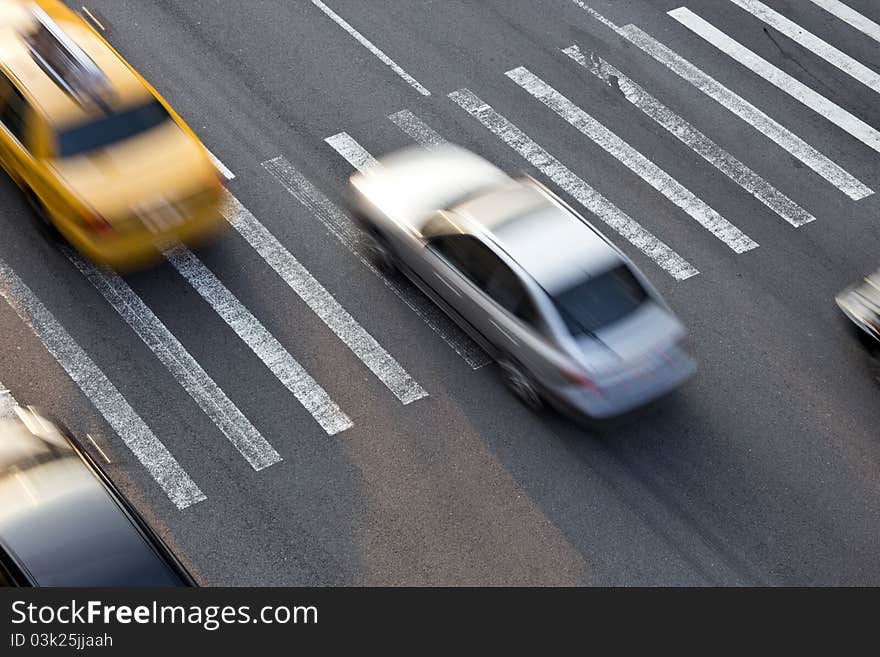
599	301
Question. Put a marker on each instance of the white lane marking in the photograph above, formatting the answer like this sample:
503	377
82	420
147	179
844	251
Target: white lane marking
178	361
322	303
266	347
604	209
341	22
794	145
694	139
633	160
850	16
779	78
356	155
338	223
596	15
767	126
133	431
7	402
811	42
222	168
419	131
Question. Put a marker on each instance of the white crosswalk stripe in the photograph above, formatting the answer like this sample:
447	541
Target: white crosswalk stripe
338	223
124	420
851	16
694	139
178	361
739	106
322	303
222	169
644	168
7	402
779	78
811	42
419	131
600	206
264	345
731	101
356	155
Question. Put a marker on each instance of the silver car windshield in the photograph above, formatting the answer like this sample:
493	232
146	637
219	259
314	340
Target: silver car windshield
597	302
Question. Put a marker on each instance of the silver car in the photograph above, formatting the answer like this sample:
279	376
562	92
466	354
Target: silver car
569	319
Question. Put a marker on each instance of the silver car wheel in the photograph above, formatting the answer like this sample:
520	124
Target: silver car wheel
520	384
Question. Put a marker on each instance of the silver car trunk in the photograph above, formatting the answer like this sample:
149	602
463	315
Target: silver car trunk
632	343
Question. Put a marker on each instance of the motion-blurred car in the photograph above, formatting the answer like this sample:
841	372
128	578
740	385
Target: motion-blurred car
101	157
861	304
569	319
63	522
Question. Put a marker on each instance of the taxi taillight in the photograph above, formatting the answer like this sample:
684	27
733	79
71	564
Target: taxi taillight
97	223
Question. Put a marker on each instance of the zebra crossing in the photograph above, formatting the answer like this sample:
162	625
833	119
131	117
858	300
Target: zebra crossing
598	202
465	105
136	434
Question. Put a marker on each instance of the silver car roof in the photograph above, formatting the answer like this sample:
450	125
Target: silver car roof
410	183
551	244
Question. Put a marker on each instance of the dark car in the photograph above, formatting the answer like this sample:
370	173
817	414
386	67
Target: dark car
64	523
861	304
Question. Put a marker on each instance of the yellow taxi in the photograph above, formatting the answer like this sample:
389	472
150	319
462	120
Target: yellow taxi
100	156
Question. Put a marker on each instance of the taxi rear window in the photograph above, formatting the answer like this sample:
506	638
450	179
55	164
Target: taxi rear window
111	129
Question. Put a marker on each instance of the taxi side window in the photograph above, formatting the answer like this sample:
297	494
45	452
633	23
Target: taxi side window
13	110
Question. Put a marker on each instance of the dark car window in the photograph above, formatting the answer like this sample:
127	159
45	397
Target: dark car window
600	301
488	272
5	581
14	109
468	255
111	129
507	290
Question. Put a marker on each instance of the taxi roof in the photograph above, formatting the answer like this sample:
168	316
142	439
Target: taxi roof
57	106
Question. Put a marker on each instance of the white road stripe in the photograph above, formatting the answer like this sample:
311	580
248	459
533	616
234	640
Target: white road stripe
247	327
573	185
338	223
694	139
850	16
178	361
770	128
777	133
322	303
356	155
369	46
7	402
419	131
222	168
133	431
779	78
811	42
633	160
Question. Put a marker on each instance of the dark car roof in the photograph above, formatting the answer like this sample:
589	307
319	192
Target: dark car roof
62	526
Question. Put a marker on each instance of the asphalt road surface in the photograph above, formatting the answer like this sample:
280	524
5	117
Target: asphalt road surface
322	425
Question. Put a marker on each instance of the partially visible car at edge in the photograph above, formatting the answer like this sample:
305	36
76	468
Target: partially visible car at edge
63	523
860	303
